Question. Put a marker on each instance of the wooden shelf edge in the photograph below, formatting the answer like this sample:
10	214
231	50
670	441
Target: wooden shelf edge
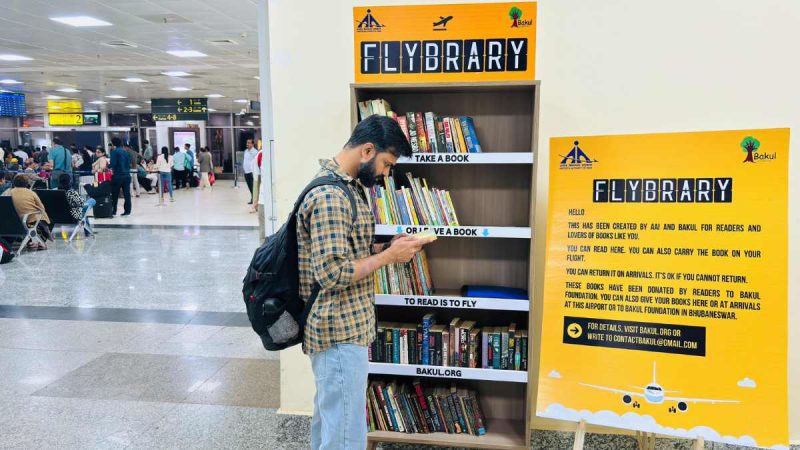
502	434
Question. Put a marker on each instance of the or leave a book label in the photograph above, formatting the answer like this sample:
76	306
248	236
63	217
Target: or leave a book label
441	302
439	372
446	231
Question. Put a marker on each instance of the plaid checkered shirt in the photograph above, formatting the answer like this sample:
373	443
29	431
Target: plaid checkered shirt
328	244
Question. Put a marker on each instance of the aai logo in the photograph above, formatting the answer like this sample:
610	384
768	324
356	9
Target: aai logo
576	159
751	145
369	24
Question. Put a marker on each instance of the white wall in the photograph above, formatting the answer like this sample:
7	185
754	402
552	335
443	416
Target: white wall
614	66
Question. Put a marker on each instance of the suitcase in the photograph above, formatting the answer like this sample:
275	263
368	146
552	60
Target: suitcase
103	208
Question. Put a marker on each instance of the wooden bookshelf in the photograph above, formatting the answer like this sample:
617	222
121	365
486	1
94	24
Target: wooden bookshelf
493	194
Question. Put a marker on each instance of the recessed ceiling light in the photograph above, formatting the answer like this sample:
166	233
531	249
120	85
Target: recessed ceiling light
134	80
186	53
98	102
211	110
133	106
7	57
214	95
115	96
257	77
53	97
242	100
54	107
81	21
180	89
10	81
176	73
68	90
148	102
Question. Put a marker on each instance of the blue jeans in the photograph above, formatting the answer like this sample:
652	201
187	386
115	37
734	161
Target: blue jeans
89	203
340	415
166	178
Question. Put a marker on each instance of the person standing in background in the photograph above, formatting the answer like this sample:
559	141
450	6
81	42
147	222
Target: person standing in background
148	151
42	158
164	166
61	161
206	166
178	167
247	166
189	163
134	167
121	166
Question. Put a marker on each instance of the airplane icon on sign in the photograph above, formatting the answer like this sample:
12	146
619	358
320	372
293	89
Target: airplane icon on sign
653	393
442	23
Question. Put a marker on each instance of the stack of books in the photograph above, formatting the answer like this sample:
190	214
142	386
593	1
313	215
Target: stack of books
415	204
412	278
460	343
412	408
428	132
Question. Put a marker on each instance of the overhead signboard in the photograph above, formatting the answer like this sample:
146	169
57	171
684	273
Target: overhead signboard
165	109
74	119
450	43
12	104
665	295
64	106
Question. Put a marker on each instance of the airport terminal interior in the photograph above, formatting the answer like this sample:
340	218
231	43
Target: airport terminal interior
552	304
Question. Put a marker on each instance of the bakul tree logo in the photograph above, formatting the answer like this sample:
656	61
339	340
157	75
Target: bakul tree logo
750	145
515	14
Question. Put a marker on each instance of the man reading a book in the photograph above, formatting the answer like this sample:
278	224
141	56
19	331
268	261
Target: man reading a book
336	258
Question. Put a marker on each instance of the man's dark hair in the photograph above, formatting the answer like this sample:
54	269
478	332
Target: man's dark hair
64	182
117	142
384	133
21	181
145	142
56	141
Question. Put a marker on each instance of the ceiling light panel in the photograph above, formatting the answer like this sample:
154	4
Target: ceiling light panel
176	73
186	53
9	57
134	80
81	21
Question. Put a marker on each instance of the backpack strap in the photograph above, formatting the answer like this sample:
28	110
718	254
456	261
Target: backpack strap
326	180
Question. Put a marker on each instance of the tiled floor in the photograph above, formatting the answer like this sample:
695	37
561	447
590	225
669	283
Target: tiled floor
222	205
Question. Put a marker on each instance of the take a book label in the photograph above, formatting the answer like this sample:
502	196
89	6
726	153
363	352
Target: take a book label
440	158
441	302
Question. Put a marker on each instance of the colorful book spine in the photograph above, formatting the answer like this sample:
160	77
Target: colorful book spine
412	132
496	355
473	135
422	138
441	144
448	135
427	321
403	122
430	132
462	144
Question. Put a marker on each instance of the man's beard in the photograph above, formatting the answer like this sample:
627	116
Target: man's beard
366	173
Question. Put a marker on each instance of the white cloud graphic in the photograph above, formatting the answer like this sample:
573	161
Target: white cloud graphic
746	383
646	423
554	374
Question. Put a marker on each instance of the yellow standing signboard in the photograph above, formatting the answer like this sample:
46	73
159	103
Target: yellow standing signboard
665	297
473	42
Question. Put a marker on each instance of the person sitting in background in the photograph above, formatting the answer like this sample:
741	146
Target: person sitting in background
77	206
5	183
28	202
21	156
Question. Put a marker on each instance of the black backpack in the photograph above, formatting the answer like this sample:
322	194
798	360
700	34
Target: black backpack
6	255
271	285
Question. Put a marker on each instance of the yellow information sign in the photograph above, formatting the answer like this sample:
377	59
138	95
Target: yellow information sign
665	297
64	106
65	119
434	43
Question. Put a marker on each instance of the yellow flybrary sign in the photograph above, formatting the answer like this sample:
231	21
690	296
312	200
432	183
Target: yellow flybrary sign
665	297
445	43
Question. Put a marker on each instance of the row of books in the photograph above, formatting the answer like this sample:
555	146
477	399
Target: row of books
428	132
461	343
412	408
412	278
416	204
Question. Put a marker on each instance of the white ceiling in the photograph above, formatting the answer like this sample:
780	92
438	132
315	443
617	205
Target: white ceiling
66	56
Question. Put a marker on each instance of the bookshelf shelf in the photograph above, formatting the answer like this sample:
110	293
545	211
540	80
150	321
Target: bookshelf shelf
501	434
497	187
450	373
469	158
460	232
455	302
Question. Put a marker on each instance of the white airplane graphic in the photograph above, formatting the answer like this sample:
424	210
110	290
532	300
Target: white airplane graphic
654	394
